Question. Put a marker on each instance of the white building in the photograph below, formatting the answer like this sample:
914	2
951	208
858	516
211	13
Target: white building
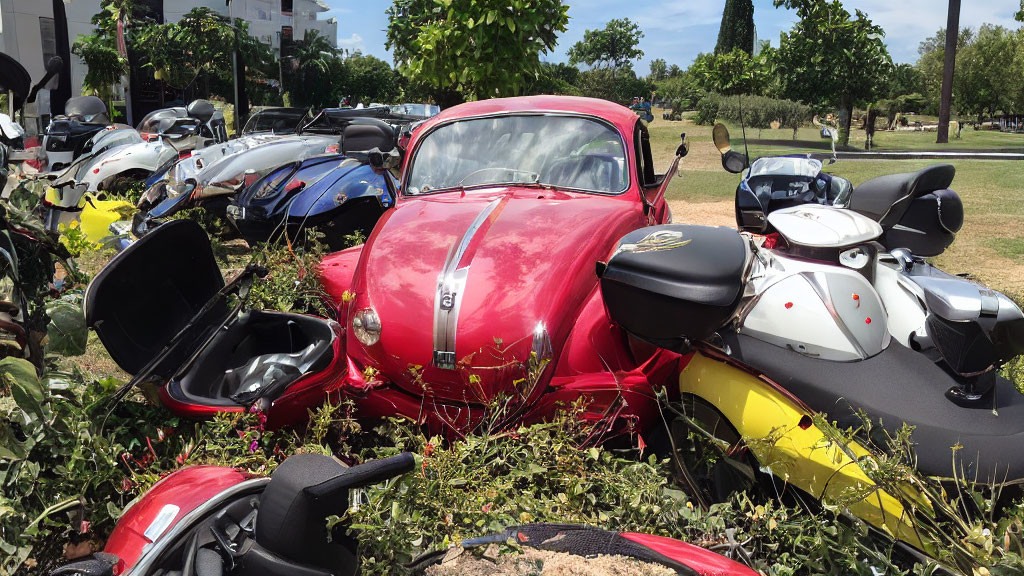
27	27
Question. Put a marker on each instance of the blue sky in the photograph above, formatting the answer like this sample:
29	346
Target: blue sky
677	30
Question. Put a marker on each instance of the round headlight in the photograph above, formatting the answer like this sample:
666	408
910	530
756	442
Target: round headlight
366	326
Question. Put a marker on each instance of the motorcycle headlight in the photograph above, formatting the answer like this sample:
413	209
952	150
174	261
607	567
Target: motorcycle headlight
366	326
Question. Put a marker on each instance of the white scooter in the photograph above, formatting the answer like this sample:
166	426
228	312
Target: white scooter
166	134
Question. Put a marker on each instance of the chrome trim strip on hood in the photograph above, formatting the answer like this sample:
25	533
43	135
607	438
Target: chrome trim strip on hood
451	283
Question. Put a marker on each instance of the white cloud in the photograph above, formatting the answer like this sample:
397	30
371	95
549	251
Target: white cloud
353	42
908	22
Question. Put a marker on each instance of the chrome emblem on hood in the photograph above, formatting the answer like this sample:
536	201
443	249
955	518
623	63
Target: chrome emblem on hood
451	283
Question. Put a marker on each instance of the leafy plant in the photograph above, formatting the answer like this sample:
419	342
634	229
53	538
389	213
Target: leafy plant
75	240
294	279
472	48
831	57
613	47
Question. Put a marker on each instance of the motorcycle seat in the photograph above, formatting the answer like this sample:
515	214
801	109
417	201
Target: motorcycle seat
886	199
901	386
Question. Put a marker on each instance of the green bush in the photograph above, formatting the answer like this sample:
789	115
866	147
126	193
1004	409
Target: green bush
754	111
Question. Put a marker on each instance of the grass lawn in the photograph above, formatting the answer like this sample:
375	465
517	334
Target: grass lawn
990	245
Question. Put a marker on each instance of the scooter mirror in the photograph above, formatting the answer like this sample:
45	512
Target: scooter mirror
720	135
734	162
54	64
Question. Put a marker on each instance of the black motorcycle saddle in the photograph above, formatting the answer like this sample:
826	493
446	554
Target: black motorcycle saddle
901	386
885	198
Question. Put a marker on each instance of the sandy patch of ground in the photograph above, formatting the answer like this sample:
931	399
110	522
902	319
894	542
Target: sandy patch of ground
720	213
541	562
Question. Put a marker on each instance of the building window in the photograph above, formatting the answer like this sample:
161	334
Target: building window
286	7
286	41
48	34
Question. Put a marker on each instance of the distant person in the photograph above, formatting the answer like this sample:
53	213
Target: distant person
642	108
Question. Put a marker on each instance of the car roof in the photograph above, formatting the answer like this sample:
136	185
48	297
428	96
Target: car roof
623	118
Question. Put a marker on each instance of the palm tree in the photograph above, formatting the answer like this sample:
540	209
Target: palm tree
952	32
313	59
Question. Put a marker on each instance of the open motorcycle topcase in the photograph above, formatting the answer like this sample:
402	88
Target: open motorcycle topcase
151	291
675	284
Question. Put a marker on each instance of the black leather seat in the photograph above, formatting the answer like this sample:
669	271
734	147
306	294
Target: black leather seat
897	386
886	198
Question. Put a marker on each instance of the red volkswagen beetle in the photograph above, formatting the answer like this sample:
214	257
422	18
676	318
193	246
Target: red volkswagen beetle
478	288
480	284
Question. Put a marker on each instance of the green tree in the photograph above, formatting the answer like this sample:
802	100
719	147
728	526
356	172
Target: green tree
474	48
832	58
905	79
556	78
982	84
104	66
613	47
616	85
734	72
310	72
368	79
195	52
931	56
659	70
737	29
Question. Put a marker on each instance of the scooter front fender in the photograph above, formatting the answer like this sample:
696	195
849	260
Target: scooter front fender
781	435
153	522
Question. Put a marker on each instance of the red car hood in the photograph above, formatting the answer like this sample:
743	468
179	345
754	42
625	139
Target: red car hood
517	261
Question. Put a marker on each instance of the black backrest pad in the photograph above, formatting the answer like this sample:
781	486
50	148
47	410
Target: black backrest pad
292	523
201	109
885	198
147	294
363	134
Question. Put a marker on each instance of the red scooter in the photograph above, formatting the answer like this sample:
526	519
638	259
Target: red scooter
212	521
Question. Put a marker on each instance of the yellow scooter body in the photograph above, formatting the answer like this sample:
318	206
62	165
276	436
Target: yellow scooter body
770	424
94	217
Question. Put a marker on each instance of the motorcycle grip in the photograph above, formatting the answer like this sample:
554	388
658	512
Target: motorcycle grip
367	474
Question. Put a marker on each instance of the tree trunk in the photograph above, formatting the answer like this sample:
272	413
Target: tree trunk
952	32
845	118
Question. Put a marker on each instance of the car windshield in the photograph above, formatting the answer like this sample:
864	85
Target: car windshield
558	151
276	122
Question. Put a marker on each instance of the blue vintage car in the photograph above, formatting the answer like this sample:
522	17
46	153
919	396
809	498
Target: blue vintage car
337	195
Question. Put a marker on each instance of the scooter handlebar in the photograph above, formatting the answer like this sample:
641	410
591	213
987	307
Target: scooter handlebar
372	472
